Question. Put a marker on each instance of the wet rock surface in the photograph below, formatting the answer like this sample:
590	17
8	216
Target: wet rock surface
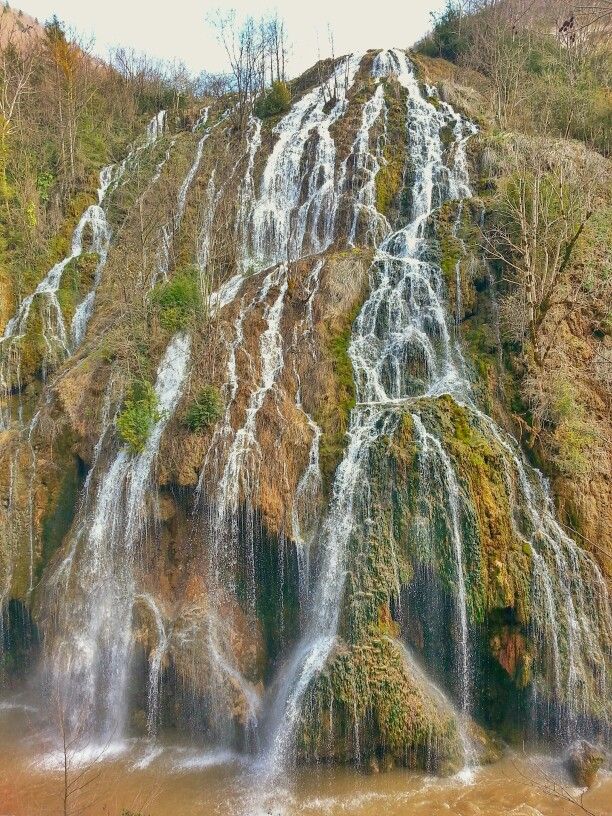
584	762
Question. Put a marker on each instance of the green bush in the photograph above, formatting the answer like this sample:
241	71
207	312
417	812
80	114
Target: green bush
274	101
138	415
205	410
177	300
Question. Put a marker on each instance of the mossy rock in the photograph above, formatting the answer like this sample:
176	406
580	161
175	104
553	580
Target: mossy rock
501	569
390	179
365	704
77	280
334	339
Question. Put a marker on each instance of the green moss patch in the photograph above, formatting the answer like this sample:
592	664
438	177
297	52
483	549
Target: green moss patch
370	706
391	176
334	420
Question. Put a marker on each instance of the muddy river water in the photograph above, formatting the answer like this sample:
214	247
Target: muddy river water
166	779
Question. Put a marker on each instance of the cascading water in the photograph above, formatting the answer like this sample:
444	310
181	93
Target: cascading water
404	357
403	351
88	659
158	653
247	192
571	617
93	224
240	473
380	352
365	165
308	494
237	479
54	329
100	245
435	467
294	211
155	129
171	228
93	662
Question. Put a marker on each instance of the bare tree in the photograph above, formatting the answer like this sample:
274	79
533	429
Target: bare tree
537	776
18	56
256	52
245	51
77	775
541	212
215	85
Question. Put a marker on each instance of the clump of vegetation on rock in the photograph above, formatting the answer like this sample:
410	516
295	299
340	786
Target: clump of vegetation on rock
205	410
139	414
274	101
177	301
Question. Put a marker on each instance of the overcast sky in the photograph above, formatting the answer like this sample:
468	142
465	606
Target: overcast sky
177	30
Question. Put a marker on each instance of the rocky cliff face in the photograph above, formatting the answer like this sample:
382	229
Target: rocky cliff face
258	473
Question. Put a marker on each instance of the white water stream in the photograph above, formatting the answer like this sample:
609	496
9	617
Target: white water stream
402	349
93	235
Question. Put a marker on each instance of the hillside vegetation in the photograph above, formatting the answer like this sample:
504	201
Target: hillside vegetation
541	72
63	115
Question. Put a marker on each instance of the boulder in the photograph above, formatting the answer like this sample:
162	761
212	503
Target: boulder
583	762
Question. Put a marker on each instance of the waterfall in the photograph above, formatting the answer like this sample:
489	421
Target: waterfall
97	582
407	291
405	355
365	165
401	350
88	658
238	480
308	493
171	228
156	658
96	585
154	130
293	213
54	329
101	230
571	618
246	194
100	245
434	459
264	230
